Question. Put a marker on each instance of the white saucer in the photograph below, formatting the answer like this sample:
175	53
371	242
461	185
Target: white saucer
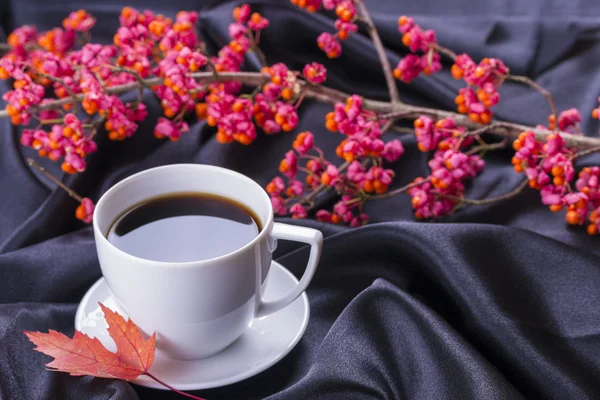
267	340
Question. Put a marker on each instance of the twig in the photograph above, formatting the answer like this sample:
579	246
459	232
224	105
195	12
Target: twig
54	179
388	125
383	59
399	190
320	188
5	47
134	73
60	82
300	98
509	195
401	129
509	129
250	78
149	375
447	52
254	46
524	80
534	85
391	116
213	67
487	147
98	78
481	130
52	121
309	199
585	153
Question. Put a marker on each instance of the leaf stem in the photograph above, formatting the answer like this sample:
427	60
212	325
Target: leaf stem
487	147
149	375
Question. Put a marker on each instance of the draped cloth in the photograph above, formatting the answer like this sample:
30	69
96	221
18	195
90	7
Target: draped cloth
494	302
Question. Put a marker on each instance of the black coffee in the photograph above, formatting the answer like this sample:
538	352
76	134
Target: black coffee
184	227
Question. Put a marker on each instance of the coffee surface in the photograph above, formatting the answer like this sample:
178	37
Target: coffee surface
184	227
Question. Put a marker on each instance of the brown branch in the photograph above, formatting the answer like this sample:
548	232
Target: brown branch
481	131
509	129
399	190
249	78
534	85
331	96
524	80
585	153
61	82
447	52
132	72
388	125
401	129
509	195
309	199
54	179
383	59
262	59
488	147
99	79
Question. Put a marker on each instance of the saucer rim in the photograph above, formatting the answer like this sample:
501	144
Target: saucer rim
147	382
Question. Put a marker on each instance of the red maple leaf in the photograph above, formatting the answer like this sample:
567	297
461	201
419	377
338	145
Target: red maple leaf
83	355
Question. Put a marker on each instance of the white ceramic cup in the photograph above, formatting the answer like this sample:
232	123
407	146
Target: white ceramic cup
196	308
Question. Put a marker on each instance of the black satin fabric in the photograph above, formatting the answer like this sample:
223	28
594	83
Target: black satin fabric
494	302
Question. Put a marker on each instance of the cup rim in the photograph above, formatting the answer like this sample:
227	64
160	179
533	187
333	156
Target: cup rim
100	204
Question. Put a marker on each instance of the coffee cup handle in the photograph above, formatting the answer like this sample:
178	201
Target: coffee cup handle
295	233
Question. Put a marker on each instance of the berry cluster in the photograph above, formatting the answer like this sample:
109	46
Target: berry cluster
568	121
271	109
360	177
79	21
451	165
146	45
26	93
483	79
362	130
309	5
442	134
85	210
345	24
62	142
416	39
549	168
